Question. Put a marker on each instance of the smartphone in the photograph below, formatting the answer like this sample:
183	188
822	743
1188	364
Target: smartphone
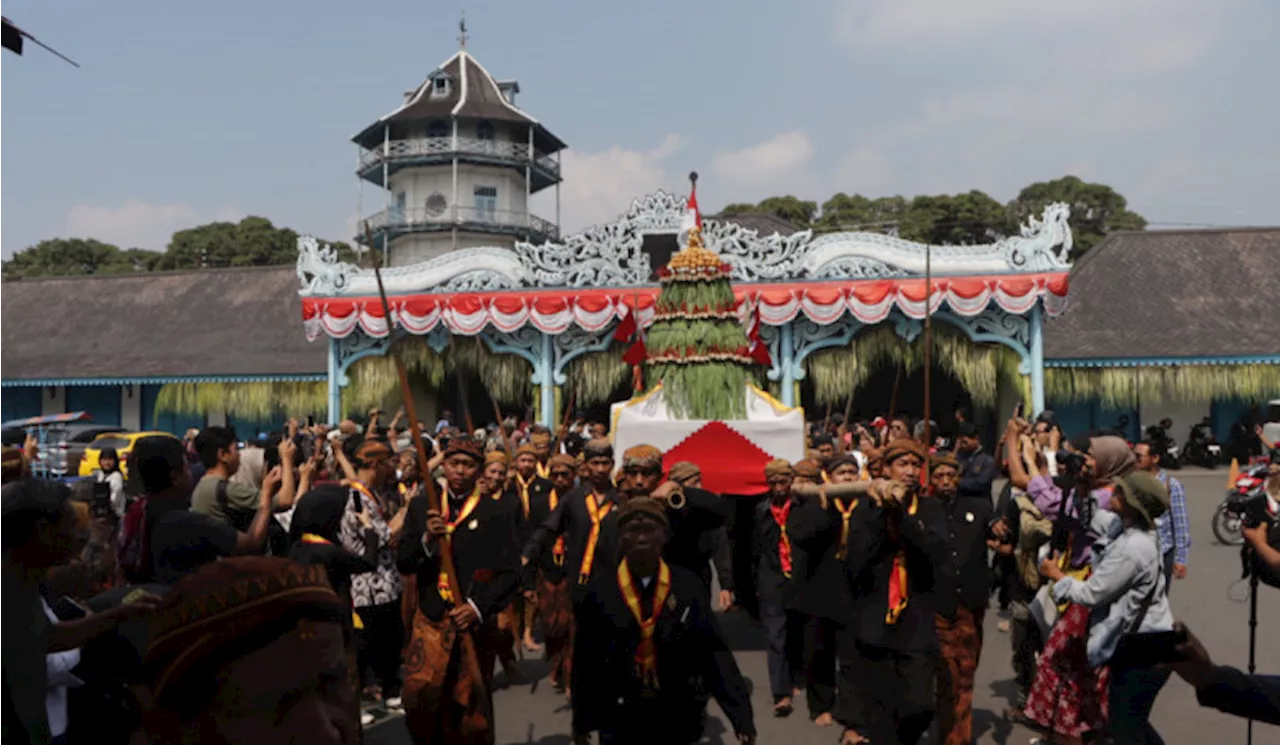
1017	410
311	421
67	609
1156	648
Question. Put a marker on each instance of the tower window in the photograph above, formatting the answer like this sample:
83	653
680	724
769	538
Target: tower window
440	86
486	203
438	128
484	130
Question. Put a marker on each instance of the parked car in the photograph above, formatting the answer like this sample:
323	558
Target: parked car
78	436
122	442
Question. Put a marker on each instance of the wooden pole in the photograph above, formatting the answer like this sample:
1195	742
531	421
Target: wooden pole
433	497
928	353
893	397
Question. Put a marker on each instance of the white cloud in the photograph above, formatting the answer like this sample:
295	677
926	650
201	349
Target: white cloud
1125	37
768	162
137	224
600	186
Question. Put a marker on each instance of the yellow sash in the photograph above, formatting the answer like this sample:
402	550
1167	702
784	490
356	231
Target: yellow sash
597	514
646	650
898	580
469	506
557	551
845	514
524	492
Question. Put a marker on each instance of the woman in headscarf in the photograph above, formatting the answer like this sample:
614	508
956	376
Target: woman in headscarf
1126	595
1069	696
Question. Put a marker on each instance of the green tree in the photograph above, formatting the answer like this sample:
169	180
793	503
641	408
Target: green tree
798	212
856	212
60	257
1096	210
254	241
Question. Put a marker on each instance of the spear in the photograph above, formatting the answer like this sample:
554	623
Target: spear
445	546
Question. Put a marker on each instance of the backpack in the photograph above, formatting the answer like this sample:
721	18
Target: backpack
134	547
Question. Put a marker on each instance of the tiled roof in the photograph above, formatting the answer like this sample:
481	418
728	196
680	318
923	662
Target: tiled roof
207	322
1177	293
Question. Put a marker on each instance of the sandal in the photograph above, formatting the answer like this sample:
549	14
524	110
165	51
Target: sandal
852	737
783	708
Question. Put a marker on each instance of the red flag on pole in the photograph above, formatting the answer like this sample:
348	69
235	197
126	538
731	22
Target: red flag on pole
759	351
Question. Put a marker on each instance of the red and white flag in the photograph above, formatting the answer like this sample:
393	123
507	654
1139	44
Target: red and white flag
692	217
759	351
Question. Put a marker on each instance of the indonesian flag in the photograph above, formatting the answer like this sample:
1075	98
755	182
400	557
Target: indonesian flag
692	217
759	351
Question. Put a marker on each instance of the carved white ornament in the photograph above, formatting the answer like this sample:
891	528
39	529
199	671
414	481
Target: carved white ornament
611	255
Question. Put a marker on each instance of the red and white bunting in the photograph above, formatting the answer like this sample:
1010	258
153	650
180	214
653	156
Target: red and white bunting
554	311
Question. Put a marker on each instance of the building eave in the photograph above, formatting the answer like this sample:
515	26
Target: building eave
162	380
1249	359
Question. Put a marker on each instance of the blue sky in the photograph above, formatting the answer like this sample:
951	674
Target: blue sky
186	112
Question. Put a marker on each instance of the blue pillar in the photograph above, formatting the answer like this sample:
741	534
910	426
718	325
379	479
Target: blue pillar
545	372
787	353
1036	333
335	385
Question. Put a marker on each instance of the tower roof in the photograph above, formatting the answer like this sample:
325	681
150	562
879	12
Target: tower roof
470	91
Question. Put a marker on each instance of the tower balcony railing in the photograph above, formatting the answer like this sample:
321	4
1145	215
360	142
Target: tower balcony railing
429	147
526	226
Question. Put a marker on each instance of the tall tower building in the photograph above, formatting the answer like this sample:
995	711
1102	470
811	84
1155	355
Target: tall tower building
458	161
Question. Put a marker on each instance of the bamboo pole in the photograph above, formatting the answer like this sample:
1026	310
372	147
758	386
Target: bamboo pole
432	495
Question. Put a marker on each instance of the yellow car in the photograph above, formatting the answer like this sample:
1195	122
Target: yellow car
123	444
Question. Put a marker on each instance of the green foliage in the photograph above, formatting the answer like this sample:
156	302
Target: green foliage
709	390
969	218
69	256
253	241
798	212
1096	209
689	295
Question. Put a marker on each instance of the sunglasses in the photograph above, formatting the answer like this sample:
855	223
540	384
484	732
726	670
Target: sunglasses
563	473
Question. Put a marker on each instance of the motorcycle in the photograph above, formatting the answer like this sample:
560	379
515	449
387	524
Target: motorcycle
1229	515
1202	448
1163	445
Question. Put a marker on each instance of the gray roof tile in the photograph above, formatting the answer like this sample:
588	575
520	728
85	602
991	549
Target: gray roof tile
1176	293
208	322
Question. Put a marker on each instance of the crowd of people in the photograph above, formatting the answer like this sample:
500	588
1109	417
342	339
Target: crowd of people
301	586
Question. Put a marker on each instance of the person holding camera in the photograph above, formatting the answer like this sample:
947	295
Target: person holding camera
1263	537
1126	599
1225	688
1068	697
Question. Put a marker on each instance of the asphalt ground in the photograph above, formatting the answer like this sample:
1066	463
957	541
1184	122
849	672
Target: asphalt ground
1212	601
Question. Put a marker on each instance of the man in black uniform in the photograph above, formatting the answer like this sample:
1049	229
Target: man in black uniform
895	549
646	650
696	515
482	536
819	534
960	598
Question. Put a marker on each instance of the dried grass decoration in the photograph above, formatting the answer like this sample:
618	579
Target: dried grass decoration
836	373
1126	387
697	346
261	401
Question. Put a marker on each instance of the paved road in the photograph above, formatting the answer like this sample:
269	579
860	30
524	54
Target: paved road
1212	601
